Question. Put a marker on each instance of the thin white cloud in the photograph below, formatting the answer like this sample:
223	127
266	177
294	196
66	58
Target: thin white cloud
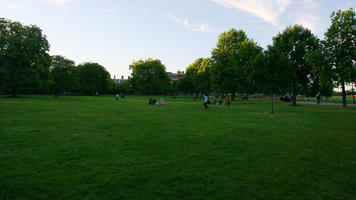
62	3
13	5
268	10
107	10
310	3
310	21
204	28
186	23
176	19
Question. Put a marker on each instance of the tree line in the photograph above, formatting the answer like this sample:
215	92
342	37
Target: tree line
297	62
27	67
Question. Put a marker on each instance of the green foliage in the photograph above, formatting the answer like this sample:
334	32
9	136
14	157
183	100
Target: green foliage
197	77
65	75
341	47
294	42
125	87
225	57
94	79
149	76
233	61
322	72
274	74
24	59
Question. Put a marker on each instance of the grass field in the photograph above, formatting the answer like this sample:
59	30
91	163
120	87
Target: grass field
95	148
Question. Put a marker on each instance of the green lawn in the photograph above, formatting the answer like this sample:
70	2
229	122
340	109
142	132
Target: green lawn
95	148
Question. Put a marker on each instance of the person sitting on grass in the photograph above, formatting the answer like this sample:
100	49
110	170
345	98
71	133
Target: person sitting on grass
161	102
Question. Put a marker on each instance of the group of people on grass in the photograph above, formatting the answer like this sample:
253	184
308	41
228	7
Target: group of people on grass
215	102
153	101
118	96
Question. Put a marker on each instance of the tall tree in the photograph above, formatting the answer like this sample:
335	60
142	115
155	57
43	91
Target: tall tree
274	73
225	60
248	55
341	47
149	76
23	56
322	72
232	59
191	78
93	78
294	42
204	76
65	75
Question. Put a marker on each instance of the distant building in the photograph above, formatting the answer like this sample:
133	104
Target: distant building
175	76
117	81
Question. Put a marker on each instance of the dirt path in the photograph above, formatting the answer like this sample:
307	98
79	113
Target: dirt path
324	103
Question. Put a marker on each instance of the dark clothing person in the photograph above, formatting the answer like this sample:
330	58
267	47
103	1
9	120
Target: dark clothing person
318	98
206	100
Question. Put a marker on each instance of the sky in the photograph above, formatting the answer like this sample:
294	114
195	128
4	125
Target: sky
115	33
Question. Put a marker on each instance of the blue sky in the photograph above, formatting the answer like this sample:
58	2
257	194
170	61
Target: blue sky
114	33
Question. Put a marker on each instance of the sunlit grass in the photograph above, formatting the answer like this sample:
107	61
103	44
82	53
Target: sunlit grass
97	148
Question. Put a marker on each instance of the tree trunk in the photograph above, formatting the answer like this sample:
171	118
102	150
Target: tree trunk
294	98
353	94
272	103
13	92
343	95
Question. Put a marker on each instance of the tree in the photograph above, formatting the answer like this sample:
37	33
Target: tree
191	77
149	76
24	59
204	76
274	73
341	47
94	78
322	74
231	60
248	56
224	73
65	75
294	42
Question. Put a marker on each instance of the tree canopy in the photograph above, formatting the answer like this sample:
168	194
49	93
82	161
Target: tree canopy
149	76
24	58
294	42
93	78
340	43
65	75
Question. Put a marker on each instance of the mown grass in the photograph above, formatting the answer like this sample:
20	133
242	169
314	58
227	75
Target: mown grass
97	148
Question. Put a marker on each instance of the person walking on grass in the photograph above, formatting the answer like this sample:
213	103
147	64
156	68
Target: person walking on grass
206	99
318	98
117	97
